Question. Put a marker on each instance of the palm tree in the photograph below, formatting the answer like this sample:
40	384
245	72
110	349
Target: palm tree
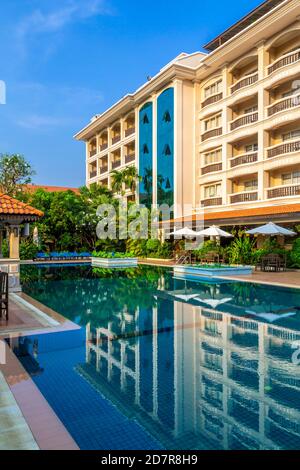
131	178
117	181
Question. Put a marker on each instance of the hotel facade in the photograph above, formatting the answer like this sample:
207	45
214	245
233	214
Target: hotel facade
219	130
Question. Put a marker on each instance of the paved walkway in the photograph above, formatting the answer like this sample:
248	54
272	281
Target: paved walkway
287	279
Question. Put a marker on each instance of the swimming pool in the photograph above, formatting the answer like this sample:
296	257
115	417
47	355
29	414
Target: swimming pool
166	363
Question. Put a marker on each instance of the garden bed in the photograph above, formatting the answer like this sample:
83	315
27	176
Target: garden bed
213	270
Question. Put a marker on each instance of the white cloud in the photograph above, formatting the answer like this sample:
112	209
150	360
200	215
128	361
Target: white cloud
40	22
35	121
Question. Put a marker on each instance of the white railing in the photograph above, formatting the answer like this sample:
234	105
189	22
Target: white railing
284	60
244	81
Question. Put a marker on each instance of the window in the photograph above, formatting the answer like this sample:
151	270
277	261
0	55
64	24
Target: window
167	117
291	178
291	135
145	148
213	89
145	119
253	109
213	190
213	123
251	148
213	157
167	150
250	185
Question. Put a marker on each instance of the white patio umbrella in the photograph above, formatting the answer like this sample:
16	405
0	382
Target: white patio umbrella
36	236
271	229
185	232
270	316
214	303
214	231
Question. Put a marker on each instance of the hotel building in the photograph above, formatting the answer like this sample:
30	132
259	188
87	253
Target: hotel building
219	129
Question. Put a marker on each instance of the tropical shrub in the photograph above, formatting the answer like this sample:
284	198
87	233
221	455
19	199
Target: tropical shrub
28	250
106	255
294	255
241	251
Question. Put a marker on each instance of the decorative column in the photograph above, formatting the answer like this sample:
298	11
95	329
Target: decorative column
14	242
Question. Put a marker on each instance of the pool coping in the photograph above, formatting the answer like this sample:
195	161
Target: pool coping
47	429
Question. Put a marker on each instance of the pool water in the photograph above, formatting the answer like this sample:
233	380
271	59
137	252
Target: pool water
166	363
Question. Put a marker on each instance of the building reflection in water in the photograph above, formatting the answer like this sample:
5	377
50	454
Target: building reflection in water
198	377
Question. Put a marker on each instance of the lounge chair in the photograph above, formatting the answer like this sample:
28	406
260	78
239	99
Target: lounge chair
4	295
273	262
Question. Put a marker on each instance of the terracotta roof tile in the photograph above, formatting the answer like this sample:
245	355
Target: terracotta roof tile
10	206
52	189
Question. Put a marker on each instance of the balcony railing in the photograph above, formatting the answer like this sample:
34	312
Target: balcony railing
245	120
284	104
211	168
284	191
116	139
244	197
215	201
93	152
286	59
243	159
212	133
283	149
116	164
93	174
129	131
103	169
129	158
212	99
103	147
245	81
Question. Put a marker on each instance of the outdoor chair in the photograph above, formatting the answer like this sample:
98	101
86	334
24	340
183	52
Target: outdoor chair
4	295
210	258
273	262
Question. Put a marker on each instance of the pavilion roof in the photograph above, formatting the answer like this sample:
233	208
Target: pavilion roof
12	207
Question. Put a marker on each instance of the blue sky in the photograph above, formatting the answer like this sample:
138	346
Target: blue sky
65	60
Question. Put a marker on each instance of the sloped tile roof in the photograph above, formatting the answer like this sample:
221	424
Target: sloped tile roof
244	213
52	189
11	206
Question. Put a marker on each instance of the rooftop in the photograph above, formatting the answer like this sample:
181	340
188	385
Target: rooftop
11	206
50	189
242	24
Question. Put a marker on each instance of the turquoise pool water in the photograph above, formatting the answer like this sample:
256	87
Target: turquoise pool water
160	362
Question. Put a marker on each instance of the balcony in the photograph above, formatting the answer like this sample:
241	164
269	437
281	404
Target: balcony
103	169
216	201
283	191
129	158
129	131
244	159
103	147
284	104
93	153
244	120
244	82
283	149
283	61
93	174
115	139
212	99
248	196
212	133
116	164
211	168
